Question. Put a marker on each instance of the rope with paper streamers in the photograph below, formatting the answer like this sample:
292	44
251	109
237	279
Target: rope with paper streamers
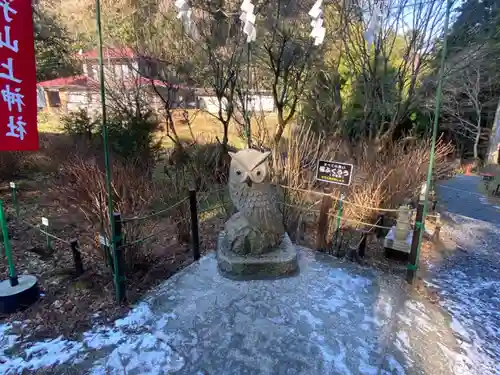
379	209
157	213
169	228
338	199
318	32
37	227
303	208
141	240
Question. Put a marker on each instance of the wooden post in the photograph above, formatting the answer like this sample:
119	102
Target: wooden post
362	245
380	221
434	204
119	266
322	229
104	242
411	271
195	235
77	257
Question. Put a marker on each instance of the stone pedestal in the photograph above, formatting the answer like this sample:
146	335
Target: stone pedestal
400	236
281	262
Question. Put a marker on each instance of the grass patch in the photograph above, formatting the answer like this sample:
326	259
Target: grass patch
49	123
202	126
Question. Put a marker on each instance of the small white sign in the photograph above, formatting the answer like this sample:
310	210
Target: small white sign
45	221
13	185
103	240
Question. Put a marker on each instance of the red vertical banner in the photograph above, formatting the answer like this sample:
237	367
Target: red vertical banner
18	95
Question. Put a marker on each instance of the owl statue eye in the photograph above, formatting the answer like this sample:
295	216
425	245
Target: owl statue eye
258	173
238	172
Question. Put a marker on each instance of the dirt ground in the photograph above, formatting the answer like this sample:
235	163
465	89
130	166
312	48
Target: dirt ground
70	303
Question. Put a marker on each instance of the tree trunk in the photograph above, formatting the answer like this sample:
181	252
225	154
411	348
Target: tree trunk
225	138
476	144
280	128
478	136
171	127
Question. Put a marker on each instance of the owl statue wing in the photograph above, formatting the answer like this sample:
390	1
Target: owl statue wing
275	212
278	197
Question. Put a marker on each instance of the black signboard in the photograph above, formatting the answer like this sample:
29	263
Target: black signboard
334	172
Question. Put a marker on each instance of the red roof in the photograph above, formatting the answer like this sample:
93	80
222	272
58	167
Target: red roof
82	81
86	82
110	53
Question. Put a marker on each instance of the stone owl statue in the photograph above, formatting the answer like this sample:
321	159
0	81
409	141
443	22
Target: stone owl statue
257	227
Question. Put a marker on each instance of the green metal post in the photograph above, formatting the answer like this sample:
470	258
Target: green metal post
107	163
8	250
437	109
14	198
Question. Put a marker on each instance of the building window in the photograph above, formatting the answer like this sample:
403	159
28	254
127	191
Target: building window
77	97
53	98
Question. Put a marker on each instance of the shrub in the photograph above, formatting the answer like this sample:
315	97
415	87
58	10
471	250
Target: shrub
205	162
133	137
389	177
11	164
81	183
293	166
79	124
170	189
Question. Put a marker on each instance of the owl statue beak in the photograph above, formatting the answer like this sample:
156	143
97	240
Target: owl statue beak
248	180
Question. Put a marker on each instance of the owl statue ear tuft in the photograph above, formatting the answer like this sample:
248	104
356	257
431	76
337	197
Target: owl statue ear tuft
266	155
231	154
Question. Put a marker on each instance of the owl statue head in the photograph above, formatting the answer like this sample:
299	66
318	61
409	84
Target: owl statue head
249	167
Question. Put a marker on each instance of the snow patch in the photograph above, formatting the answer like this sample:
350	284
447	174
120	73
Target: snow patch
143	353
311	319
458	363
459	329
403	338
394	366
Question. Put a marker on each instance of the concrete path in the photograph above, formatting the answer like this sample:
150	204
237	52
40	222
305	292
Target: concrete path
334	318
469	281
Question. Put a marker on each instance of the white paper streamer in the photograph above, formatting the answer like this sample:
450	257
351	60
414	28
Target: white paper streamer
248	19
184	14
318	31
373	27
